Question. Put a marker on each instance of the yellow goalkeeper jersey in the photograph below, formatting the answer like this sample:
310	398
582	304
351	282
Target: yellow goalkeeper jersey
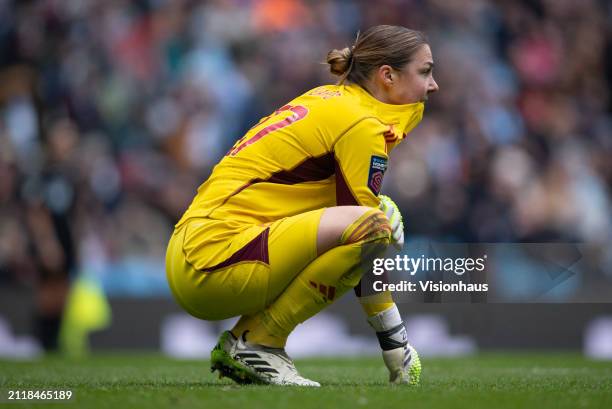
327	147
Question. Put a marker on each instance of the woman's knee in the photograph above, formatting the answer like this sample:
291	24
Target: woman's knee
351	224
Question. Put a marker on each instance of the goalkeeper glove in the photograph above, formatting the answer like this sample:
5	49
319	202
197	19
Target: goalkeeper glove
400	358
390	209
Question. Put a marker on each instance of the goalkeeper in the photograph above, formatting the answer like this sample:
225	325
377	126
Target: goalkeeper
291	217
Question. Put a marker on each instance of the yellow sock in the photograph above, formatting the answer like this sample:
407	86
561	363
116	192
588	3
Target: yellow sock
376	303
324	280
245	323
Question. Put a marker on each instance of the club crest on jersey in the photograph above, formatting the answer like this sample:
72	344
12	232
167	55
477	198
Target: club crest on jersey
378	166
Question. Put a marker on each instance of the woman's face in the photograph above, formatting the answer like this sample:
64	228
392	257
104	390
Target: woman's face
413	83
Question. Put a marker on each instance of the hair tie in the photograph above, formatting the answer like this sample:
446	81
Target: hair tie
351	59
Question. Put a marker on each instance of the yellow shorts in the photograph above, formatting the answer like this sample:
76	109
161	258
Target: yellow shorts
257	264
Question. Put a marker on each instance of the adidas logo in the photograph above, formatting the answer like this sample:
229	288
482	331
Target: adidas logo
408	356
256	362
328	292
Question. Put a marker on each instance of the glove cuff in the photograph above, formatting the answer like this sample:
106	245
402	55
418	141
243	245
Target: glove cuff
389	328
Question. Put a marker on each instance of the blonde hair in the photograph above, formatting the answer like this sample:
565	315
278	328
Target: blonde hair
379	45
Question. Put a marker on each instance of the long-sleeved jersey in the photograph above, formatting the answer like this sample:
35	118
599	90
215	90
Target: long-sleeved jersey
327	147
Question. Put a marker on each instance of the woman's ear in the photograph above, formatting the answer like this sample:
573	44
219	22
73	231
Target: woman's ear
385	73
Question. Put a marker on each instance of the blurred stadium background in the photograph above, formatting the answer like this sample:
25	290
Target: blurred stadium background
113	112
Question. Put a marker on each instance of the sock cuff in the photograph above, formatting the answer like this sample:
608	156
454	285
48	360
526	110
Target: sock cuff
386	320
371	226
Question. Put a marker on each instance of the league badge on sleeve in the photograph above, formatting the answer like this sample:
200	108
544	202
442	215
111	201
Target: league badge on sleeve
378	166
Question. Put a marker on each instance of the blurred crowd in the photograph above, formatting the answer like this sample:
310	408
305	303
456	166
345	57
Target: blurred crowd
112	112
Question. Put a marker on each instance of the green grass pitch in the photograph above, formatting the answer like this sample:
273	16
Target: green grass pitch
151	381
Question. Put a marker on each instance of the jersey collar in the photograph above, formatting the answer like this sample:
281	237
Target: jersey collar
402	118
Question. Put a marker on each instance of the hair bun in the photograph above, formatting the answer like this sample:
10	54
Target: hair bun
339	61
